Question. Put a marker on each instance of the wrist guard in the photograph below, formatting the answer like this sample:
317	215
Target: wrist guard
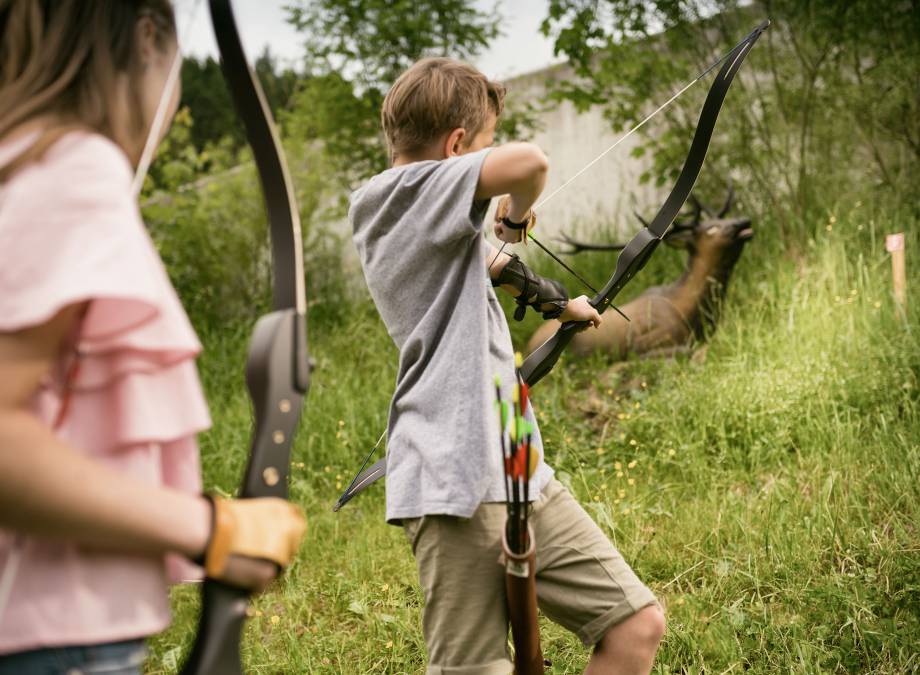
546	296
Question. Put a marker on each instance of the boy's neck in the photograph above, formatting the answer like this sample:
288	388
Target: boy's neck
402	160
435	151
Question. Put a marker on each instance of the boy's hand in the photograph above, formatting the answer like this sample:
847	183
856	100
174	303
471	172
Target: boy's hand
580	309
507	234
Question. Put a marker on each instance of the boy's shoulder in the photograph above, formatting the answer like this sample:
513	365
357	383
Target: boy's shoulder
435	176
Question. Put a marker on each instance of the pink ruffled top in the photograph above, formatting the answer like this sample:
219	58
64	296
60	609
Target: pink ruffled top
70	232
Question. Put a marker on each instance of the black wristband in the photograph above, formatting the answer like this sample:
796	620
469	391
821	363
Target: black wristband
511	225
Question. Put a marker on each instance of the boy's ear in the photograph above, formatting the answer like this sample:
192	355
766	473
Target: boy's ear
453	146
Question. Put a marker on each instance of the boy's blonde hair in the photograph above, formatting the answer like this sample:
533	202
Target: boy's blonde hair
433	97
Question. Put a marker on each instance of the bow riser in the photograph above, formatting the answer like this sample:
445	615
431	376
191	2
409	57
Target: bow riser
277	402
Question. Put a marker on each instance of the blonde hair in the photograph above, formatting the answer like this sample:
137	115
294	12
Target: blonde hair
61	59
433	97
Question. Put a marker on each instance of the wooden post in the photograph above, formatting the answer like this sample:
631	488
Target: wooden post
894	244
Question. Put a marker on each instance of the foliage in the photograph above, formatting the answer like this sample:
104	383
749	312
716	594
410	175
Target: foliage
370	42
211	231
205	95
356	49
827	103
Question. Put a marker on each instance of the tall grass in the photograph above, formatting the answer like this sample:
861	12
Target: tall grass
766	487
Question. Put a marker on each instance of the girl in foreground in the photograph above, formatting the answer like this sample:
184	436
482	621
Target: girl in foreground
100	400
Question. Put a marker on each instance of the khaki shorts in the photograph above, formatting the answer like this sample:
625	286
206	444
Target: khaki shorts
583	583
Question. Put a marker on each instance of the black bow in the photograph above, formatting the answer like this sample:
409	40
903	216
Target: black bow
637	252
278	366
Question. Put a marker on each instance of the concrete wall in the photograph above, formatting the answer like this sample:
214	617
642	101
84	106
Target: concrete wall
605	194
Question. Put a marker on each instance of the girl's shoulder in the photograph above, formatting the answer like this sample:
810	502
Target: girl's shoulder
74	162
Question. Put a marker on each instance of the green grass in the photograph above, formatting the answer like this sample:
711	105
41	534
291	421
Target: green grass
765	488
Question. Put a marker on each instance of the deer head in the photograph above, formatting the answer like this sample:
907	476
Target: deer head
713	235
708	237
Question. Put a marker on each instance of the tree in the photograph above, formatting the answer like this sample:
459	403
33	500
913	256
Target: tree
355	49
831	92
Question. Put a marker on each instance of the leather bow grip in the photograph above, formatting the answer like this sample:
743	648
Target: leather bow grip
544	357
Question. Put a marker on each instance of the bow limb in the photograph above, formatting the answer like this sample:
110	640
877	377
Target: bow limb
637	252
278	365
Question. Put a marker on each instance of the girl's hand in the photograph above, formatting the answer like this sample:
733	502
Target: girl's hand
252	539
580	309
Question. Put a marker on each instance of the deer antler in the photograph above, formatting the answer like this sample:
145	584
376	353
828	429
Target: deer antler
728	200
698	207
578	246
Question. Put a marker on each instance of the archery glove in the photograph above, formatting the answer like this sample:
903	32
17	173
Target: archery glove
546	296
266	528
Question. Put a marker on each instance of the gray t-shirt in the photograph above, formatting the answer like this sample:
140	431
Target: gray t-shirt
419	234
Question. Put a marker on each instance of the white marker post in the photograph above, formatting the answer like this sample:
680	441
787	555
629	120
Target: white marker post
894	244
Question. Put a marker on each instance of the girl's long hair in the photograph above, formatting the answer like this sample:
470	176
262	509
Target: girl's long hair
61	60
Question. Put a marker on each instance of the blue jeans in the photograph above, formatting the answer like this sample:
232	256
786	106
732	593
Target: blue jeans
114	658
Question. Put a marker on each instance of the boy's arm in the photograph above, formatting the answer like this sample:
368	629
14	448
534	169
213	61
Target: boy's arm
517	170
528	288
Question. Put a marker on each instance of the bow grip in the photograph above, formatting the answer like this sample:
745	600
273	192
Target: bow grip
544	357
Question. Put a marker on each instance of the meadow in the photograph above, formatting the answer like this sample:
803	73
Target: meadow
764	486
